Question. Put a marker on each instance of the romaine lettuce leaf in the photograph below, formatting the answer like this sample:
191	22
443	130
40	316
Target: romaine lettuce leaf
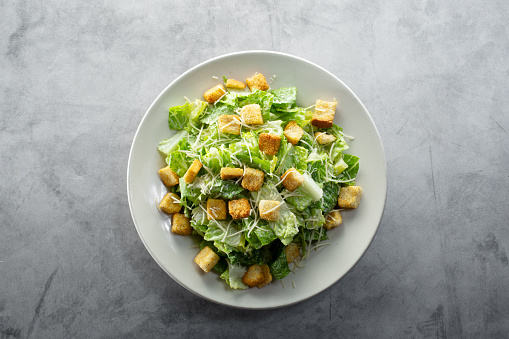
351	172
167	146
178	161
307	142
301	200
284	97
233	276
300	115
290	156
230	236
279	267
253	257
189	195
317	166
213	112
340	166
261	235
226	189
180	117
329	198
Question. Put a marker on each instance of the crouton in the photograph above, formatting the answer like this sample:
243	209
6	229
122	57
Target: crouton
269	143
324	138
253	276
168	177
216	209
266	275
292	179
229	124
269	210
239	209
257	81
181	224
231	173
253	179
232	83
333	219
350	196
293	132
292	252
170	203
213	94
252	114
206	259
324	113
192	171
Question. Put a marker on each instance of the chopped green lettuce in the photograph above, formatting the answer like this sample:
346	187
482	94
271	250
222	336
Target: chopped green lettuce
180	117
227	234
212	113
233	276
300	200
351	172
260	235
290	156
170	145
279	267
284	97
329	198
226	189
189	195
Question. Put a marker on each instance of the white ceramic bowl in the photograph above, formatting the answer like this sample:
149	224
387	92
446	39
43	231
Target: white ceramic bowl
324	267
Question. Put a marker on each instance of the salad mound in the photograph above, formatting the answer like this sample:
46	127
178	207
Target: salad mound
256	177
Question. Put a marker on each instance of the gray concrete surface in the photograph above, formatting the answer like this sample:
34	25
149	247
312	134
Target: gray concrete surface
77	76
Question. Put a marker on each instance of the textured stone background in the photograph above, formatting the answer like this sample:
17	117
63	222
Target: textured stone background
77	76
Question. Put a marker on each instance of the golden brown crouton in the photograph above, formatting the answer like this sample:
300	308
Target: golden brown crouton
181	224
252	114
350	196
292	252
267	276
192	171
216	209
324	113
206	259
213	94
324	138
253	179
253	276
239	209
269	210
231	173
292	179
333	219
269	143
168	177
170	203
232	83
257	81
229	124
293	132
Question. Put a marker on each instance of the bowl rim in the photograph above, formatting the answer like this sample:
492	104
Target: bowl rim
239	53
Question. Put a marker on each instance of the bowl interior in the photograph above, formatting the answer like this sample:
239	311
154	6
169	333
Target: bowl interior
347	243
